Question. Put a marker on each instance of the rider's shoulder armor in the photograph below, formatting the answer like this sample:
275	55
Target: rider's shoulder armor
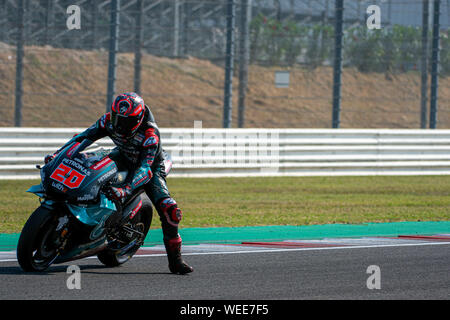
146	136
105	121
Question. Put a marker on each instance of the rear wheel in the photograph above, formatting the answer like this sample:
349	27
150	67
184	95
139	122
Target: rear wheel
135	232
37	248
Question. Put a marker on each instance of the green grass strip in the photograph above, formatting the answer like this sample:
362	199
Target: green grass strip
266	201
278	233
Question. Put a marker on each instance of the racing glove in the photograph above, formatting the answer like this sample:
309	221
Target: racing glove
49	158
118	193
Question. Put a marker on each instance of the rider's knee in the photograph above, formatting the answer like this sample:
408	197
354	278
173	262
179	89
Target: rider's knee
168	209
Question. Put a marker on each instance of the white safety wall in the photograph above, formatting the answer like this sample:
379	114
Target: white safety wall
201	152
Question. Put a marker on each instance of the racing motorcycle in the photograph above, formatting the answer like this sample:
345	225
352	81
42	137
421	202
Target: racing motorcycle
76	219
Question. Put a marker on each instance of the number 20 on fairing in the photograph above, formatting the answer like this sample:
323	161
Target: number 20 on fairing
67	176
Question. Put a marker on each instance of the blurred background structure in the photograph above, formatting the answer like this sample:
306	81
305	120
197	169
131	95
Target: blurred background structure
228	63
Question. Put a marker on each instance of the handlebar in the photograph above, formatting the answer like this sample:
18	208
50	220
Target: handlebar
83	145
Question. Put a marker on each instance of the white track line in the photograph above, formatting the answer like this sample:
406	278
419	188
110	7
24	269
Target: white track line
284	250
301	249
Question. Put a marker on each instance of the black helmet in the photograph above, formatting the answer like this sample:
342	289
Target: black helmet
127	114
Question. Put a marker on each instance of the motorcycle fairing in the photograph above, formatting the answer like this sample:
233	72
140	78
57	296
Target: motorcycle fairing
93	214
83	250
87	214
37	190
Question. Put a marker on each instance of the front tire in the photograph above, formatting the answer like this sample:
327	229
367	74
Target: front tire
35	249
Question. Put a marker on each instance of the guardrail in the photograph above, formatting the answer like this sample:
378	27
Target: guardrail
257	152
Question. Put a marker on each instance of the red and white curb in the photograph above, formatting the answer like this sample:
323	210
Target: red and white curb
286	245
302	245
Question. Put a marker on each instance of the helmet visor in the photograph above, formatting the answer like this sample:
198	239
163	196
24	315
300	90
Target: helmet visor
124	125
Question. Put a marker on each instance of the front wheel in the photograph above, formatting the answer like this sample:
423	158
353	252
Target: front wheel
36	249
123	251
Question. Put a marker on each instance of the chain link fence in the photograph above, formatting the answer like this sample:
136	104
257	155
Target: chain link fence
228	63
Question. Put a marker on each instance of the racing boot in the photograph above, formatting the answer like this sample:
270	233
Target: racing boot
176	264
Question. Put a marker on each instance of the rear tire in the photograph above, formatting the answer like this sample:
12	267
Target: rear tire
110	257
34	249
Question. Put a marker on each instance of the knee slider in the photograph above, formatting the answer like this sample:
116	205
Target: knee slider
170	210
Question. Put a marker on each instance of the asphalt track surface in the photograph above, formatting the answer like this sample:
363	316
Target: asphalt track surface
406	272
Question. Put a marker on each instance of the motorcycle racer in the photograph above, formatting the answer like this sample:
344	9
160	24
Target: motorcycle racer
133	129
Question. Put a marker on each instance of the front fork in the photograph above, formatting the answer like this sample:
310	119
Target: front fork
62	231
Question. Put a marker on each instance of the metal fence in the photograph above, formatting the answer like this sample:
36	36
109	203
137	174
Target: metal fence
228	63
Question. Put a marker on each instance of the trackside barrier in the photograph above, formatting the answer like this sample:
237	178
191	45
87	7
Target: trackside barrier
198	152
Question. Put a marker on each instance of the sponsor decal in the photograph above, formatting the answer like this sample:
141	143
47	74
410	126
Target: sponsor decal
139	138
72	150
152	140
136	210
123	106
86	197
102	163
137	183
77	166
67	176
107	175
118	140
59	186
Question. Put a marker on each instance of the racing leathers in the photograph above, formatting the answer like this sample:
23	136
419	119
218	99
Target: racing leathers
142	155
